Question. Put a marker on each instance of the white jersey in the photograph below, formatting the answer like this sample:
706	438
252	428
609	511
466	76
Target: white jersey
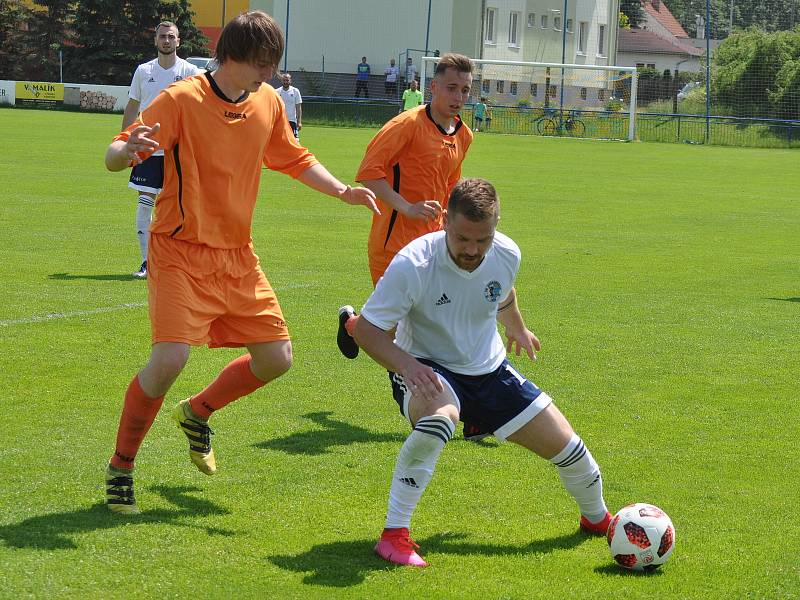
150	78
444	313
291	98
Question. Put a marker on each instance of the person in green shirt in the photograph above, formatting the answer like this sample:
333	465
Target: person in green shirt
412	96
480	113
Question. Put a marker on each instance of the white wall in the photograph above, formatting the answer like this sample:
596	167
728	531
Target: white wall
662	61
344	35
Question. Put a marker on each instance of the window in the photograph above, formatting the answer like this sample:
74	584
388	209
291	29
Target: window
583	93
534	89
583	29
544	21
531	19
639	66
491	25
500	86
557	23
601	40
601	94
513	36
485	86
651	66
569	25
513	88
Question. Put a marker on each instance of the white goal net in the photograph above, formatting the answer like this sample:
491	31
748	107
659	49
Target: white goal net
591	101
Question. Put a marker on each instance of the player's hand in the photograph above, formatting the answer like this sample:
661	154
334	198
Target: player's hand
141	141
360	196
427	210
422	381
522	340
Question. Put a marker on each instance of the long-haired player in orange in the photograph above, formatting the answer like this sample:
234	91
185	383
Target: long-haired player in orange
205	283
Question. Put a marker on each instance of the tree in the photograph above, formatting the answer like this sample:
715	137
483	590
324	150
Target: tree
49	31
634	11
730	15
112	37
758	74
15	51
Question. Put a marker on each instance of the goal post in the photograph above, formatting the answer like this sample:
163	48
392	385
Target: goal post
599	100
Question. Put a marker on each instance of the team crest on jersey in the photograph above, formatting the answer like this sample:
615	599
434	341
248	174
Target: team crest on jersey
493	291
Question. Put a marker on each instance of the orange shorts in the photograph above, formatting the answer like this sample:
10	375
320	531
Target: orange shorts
201	295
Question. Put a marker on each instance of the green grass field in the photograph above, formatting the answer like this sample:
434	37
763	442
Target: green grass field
662	279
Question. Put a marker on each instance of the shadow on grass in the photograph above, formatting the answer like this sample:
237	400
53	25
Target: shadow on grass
52	531
794	299
614	569
110	277
344	564
320	441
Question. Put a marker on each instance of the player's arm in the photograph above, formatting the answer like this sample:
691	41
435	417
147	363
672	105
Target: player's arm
131	112
317	177
518	335
425	210
121	153
380	345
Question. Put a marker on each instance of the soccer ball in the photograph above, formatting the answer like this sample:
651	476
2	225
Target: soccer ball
641	537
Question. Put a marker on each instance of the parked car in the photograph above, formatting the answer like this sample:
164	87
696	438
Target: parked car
203	62
684	91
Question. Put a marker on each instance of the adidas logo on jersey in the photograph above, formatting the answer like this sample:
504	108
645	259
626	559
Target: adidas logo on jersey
443	300
409	481
151	80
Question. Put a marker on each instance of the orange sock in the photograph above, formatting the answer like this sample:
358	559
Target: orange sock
350	325
138	414
235	381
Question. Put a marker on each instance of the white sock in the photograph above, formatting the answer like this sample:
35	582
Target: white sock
581	477
144	211
415	465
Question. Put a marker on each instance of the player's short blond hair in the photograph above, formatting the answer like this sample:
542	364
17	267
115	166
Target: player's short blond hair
168	24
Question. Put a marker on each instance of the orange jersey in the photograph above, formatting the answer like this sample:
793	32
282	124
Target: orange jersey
213	151
421	162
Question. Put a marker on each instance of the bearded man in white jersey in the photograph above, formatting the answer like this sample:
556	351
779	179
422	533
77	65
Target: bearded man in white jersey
445	293
148	81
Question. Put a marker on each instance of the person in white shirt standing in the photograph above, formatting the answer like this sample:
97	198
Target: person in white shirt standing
294	104
445	292
148	81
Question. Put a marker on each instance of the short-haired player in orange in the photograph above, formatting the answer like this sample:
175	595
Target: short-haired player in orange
205	282
412	164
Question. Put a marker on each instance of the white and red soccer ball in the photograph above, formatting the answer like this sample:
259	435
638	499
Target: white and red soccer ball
641	537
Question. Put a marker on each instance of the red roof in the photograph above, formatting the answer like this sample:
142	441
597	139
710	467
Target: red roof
642	40
659	11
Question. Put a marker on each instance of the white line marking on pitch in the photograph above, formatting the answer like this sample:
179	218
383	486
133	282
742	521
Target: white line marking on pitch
106	309
72	315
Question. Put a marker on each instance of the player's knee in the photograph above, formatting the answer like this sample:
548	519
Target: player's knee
272	362
170	364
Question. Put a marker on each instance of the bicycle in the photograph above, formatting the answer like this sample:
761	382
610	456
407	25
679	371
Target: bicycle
560	122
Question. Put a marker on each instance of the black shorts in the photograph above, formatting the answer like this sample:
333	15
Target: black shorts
293	125
501	401
148	176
